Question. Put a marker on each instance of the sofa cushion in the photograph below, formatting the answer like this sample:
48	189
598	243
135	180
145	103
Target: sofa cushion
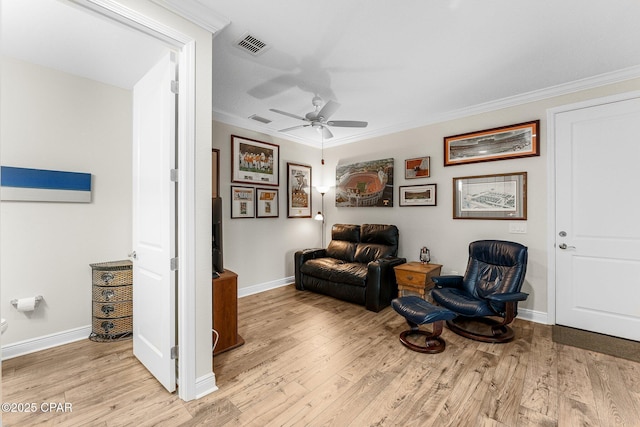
336	270
342	250
381	234
346	232
367	252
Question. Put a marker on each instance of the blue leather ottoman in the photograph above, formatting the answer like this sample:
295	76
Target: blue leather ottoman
420	312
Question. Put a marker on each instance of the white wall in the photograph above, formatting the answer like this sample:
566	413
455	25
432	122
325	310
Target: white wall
433	227
260	250
202	218
53	120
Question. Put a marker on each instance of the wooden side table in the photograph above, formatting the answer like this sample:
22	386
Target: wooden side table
225	311
415	277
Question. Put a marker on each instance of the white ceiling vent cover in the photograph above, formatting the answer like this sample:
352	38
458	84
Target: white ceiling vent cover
251	44
259	119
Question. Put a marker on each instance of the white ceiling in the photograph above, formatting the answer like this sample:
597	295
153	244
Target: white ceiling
404	64
63	36
397	65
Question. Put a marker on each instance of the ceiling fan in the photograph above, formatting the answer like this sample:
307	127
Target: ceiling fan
319	118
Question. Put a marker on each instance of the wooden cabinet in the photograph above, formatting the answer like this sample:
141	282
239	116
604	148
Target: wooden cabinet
225	311
415	277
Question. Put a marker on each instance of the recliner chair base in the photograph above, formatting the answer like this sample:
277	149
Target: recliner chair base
433	343
416	312
482	329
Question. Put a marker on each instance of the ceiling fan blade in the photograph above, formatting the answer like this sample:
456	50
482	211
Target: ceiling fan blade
284	113
272	87
347	123
329	108
293	128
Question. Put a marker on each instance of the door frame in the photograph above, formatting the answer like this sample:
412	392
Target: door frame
186	239
551	187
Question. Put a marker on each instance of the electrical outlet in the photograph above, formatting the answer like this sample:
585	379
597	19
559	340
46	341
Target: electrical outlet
519	227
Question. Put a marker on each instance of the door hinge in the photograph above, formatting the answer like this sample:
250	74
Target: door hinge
174	175
174	264
174	87
174	352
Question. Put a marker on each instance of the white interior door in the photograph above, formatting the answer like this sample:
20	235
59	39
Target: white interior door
154	219
598	218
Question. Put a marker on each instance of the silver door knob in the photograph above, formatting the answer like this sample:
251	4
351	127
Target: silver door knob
133	255
564	246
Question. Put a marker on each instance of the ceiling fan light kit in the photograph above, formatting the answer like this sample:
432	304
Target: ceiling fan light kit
319	118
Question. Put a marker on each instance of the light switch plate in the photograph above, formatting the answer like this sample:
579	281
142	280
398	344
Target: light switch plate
519	227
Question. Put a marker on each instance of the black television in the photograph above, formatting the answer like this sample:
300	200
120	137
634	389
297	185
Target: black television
216	236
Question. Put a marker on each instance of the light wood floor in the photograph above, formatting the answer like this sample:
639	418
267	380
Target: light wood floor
313	360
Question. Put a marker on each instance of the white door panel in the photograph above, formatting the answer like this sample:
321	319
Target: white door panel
597	207
154	222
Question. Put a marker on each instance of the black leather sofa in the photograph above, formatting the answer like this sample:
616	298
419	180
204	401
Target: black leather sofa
357	265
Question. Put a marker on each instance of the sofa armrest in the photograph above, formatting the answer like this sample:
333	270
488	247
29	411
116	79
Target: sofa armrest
300	257
381	283
447	281
507	297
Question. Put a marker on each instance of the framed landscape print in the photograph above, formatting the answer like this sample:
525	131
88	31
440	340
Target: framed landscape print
242	202
268	201
502	196
254	162
298	191
418	195
417	168
507	142
365	184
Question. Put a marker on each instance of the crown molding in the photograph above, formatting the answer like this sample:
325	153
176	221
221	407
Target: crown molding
512	101
196	12
134	19
541	94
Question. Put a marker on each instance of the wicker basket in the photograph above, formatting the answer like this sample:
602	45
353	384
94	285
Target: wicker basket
116	273
110	310
112	328
112	294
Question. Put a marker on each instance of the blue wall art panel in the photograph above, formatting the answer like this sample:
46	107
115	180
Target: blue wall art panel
38	185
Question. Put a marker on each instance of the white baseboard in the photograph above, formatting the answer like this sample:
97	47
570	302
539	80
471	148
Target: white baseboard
533	316
32	345
205	385
523	313
267	286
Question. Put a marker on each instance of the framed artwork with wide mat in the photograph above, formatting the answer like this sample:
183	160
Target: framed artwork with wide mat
254	162
499	196
298	191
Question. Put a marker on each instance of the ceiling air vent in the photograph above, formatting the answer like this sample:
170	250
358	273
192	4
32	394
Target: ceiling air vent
251	44
259	119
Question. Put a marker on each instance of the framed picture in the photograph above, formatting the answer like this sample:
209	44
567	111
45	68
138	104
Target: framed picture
242	202
254	162
507	142
298	191
418	195
502	196
417	168
268	201
365	184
